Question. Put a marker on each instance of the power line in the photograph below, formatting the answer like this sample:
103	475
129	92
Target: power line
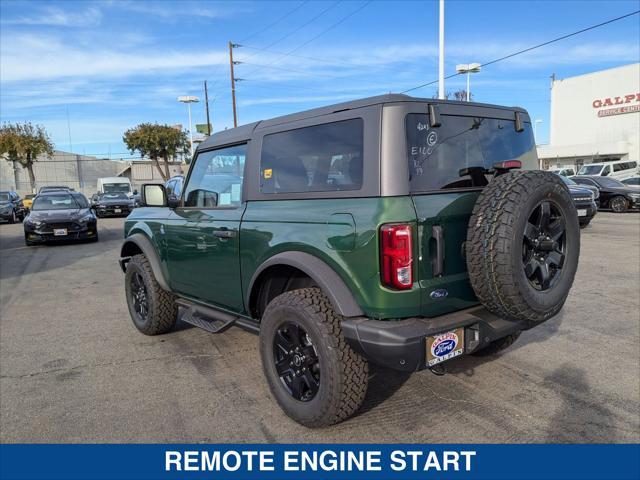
330	27
519	52
286	15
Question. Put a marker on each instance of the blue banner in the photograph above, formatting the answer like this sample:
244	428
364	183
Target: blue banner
320	461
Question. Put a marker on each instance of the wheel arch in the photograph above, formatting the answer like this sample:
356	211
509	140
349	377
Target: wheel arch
139	243
313	268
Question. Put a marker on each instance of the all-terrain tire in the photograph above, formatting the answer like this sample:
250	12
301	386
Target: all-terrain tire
495	246
343	373
497	345
162	308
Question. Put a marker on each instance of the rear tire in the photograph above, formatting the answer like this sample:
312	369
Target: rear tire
152	309
497	345
618	204
320	380
523	244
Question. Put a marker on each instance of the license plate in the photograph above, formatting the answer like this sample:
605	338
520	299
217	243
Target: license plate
117	210
59	232
445	346
582	213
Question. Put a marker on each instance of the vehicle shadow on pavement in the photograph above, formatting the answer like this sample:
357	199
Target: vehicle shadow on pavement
581	417
383	383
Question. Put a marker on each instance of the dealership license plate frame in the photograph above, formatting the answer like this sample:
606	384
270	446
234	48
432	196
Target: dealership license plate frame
60	232
456	351
582	212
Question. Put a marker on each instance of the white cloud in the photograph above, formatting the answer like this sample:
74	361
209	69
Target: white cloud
53	16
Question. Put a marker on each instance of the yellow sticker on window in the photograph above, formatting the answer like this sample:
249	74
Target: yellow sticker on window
267	173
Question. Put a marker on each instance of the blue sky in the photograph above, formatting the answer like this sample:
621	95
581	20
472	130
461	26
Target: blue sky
114	64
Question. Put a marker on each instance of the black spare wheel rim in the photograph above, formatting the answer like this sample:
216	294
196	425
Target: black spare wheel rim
296	361
544	245
139	297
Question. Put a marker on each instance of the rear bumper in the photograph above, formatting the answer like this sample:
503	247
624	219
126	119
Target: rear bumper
401	344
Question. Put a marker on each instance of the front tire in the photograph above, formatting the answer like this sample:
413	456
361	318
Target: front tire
13	218
152	309
317	379
618	204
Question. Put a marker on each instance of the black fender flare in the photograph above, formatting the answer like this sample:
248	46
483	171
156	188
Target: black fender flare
143	243
322	274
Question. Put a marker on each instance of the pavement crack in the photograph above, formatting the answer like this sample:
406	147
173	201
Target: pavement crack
109	364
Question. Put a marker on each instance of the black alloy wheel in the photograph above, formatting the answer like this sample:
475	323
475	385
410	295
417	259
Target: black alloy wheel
139	296
544	245
296	361
618	204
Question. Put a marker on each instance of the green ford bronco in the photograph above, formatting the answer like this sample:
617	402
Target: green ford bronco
397	230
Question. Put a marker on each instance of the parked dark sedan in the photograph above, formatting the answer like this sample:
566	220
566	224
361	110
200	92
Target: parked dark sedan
11	207
113	205
59	216
613	193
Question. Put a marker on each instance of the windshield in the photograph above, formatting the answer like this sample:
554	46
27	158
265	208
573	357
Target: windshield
116	187
590	170
608	182
4	197
54	202
115	196
567	181
459	152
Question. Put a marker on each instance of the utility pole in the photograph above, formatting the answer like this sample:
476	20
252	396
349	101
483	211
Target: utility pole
233	85
206	102
441	59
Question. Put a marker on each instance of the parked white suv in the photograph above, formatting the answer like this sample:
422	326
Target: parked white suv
620	170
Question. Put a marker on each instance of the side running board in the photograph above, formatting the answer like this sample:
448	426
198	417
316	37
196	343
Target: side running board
212	320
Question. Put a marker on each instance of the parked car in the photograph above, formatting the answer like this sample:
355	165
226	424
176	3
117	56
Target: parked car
632	182
173	187
355	233
620	169
27	201
11	207
53	188
586	198
613	193
113	205
563	171
60	216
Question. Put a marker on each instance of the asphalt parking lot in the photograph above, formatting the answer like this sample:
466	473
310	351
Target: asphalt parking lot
74	369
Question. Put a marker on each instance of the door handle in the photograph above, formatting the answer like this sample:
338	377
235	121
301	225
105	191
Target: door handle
224	233
438	261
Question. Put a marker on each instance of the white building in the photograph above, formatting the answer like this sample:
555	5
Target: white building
594	117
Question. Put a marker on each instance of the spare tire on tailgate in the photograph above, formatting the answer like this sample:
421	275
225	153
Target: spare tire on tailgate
523	244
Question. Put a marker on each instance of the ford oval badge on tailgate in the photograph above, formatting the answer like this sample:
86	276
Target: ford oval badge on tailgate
440	293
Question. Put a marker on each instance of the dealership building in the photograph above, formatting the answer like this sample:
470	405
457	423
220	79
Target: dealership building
594	118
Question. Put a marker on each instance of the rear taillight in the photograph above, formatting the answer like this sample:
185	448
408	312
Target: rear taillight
396	256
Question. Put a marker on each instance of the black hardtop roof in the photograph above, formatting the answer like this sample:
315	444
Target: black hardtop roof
244	132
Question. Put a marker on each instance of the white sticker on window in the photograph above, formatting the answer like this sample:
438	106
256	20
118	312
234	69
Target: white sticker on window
235	192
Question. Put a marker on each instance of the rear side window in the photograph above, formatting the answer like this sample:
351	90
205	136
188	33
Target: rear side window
321	158
458	153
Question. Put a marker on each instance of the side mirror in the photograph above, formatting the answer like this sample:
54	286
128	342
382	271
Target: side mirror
173	200
135	192
153	195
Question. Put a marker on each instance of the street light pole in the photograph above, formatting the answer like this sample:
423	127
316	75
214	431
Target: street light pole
468	68
441	59
189	100
535	129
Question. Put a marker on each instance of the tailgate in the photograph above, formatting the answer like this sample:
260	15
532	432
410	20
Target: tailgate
442	226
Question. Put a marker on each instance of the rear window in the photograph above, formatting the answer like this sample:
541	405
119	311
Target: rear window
321	158
459	152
